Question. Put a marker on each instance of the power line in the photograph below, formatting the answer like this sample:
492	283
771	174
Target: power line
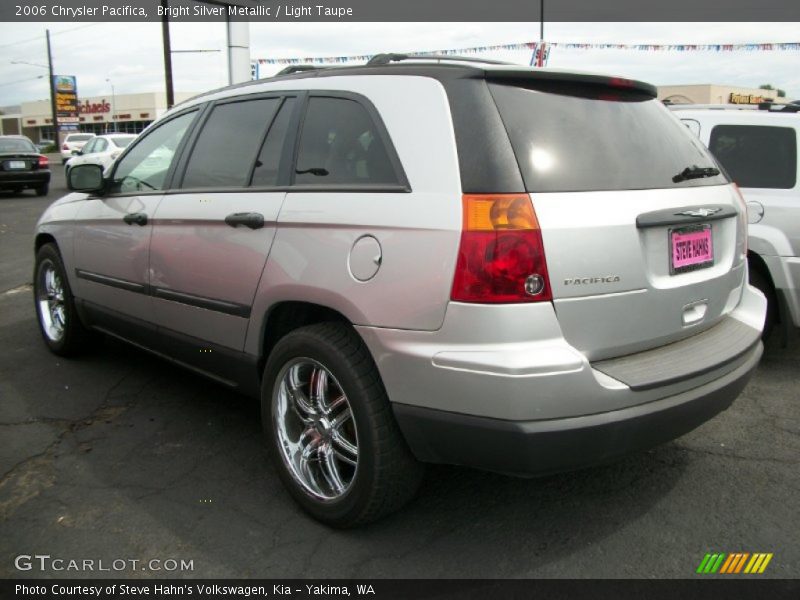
21	80
40	37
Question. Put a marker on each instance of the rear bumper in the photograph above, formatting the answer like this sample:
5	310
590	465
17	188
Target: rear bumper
539	447
24	178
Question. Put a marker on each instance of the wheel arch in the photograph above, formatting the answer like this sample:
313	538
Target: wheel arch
42	239
284	317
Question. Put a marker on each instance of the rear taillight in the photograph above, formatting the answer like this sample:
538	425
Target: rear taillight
501	256
65	147
43	162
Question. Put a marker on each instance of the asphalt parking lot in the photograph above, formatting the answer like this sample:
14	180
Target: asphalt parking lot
118	455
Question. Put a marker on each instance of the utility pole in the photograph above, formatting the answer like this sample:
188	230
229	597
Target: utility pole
53	111
167	54
541	20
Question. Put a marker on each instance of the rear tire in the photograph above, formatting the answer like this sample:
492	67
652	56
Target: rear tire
41	190
762	282
330	428
56	314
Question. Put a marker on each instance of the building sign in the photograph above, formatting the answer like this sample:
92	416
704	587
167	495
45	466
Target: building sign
66	98
88	108
735	98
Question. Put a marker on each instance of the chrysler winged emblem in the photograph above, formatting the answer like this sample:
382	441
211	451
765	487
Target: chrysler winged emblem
700	212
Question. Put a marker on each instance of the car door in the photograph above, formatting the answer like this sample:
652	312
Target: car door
113	231
212	236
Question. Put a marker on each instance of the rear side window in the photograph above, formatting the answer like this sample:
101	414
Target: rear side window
227	146
757	156
340	144
584	141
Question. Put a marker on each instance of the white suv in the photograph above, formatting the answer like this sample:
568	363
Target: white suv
758	147
419	260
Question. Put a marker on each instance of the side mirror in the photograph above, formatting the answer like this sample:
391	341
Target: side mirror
86	178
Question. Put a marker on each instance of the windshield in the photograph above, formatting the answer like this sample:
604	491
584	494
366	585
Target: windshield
16	145
582	140
122	142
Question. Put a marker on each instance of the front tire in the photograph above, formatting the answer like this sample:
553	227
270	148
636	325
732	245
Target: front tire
58	319
330	427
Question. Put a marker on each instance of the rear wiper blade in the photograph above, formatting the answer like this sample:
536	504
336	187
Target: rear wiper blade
695	172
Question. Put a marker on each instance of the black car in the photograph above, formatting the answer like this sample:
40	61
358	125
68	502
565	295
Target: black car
21	165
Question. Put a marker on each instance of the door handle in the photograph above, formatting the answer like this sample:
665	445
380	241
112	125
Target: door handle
138	218
252	220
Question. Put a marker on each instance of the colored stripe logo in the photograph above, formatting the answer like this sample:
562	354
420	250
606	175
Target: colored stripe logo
734	563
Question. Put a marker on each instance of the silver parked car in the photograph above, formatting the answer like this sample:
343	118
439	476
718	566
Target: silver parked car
759	150
419	260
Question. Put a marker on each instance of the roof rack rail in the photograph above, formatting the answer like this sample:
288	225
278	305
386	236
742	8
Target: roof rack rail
775	107
296	69
385	59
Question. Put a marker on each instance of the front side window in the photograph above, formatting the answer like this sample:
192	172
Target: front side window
228	144
340	144
757	156
89	147
100	145
145	167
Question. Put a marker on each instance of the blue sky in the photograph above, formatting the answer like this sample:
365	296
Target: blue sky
130	54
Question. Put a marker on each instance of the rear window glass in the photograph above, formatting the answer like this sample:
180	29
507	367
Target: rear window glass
597	141
79	137
757	156
16	145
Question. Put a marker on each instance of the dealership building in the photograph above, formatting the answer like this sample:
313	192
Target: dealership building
706	93
129	113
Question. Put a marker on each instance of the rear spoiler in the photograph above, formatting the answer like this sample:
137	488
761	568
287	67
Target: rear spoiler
619	84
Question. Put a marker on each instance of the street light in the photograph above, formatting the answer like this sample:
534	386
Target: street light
113	104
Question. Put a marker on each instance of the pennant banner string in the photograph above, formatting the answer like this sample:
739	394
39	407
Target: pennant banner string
532	46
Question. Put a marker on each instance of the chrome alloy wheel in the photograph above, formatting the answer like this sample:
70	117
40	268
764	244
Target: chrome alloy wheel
50	297
315	429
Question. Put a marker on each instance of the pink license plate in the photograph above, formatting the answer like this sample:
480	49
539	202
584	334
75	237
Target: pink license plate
691	248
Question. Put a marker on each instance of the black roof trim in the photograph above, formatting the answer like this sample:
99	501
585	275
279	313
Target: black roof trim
385	59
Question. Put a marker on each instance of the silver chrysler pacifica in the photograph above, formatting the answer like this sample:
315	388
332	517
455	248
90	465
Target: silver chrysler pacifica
421	259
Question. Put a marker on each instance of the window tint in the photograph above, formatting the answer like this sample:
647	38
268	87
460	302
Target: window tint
16	145
266	170
757	156
340	144
580	140
89	147
227	146
145	166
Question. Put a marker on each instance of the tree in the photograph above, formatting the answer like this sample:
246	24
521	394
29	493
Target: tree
766	86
